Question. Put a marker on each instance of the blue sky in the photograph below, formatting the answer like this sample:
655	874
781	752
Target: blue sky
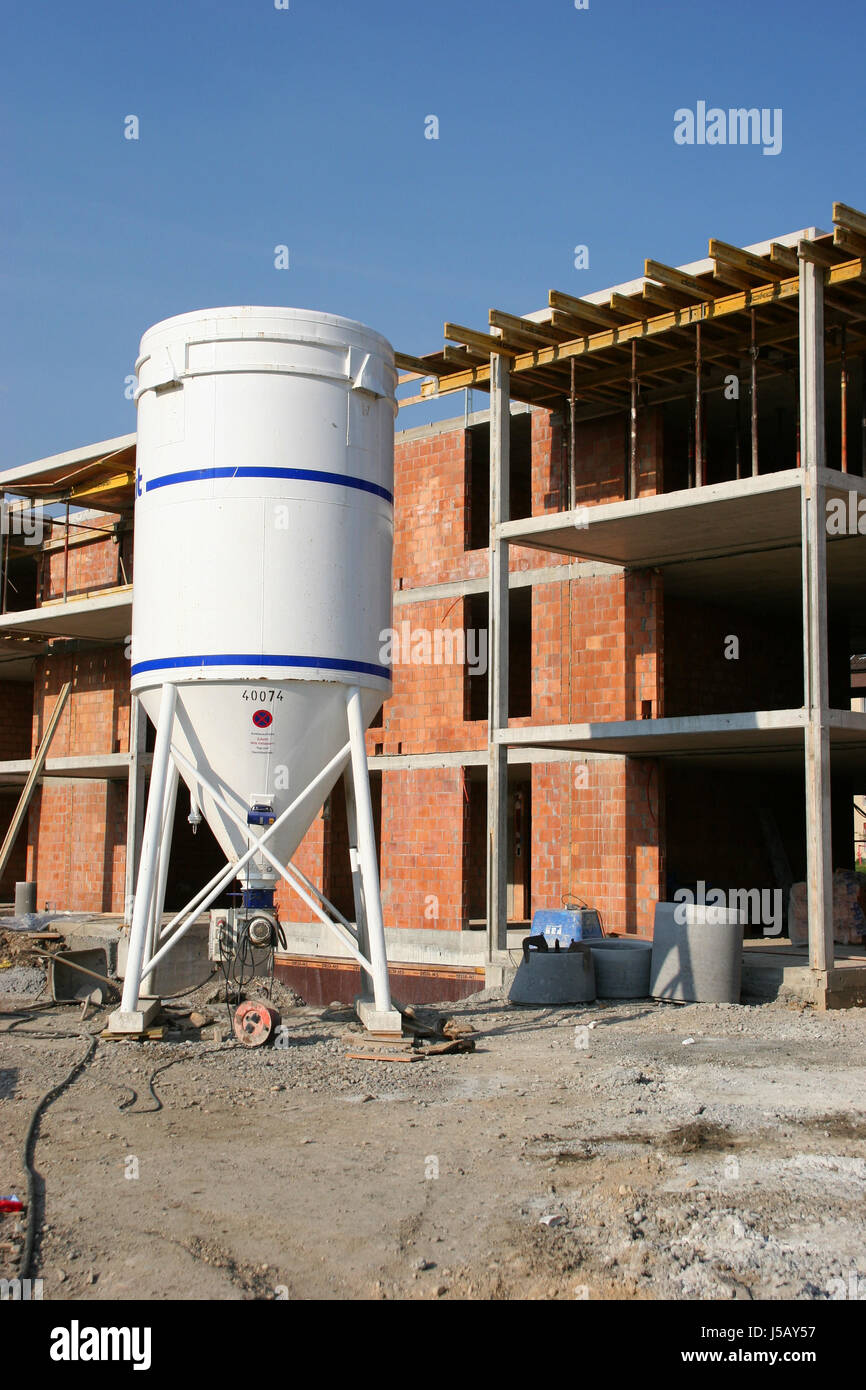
305	127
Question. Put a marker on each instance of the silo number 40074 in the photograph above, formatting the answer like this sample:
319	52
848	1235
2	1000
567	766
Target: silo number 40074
262	697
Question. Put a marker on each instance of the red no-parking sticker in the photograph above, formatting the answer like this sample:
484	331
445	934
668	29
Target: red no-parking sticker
263	719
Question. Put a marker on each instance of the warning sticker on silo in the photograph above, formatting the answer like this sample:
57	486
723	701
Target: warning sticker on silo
262	732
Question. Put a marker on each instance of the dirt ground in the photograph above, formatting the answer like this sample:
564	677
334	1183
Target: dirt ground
609	1151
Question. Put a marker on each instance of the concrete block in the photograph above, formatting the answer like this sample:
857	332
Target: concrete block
186	965
555	977
378	1022
134	1020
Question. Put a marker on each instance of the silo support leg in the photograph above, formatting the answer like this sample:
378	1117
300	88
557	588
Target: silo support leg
377	1013
363	936
135	1014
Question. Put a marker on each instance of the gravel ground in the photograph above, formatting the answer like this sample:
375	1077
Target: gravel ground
608	1151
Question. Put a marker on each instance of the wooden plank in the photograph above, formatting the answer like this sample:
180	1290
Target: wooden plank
525	334
817	255
761	296
850	218
633	308
384	1056
415	366
33	777
677	279
482	342
581	308
851	242
744	260
463	357
784	256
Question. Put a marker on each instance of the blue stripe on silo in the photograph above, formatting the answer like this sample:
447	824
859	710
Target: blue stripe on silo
322	663
308	475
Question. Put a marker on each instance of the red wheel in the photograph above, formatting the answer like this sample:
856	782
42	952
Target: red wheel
255	1023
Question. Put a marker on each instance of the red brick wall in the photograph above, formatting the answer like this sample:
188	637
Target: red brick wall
77	845
96	717
91	564
310	860
601	457
76	832
595	838
425	817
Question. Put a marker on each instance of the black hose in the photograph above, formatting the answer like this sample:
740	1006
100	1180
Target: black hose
26	1154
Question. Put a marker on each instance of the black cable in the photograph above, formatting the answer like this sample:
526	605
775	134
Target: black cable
153	1109
29	1143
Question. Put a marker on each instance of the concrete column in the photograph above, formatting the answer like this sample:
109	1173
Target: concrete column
819	859
497	676
134	802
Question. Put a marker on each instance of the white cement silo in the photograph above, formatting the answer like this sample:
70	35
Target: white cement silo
262	585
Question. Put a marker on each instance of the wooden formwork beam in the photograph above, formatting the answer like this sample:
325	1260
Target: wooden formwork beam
32	778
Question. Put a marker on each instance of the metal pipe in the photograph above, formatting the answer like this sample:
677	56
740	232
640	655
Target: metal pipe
699	412
633	481
738	431
6	560
843	389
753	352
367	854
163	856
572	442
149	848
4	549
66	556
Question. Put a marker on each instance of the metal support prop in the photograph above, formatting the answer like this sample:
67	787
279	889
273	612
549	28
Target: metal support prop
753	394
843	401
572	441
633	479
66	556
4	549
699	411
497	686
149	851
815	642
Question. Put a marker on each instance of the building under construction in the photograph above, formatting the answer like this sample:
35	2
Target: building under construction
626	603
